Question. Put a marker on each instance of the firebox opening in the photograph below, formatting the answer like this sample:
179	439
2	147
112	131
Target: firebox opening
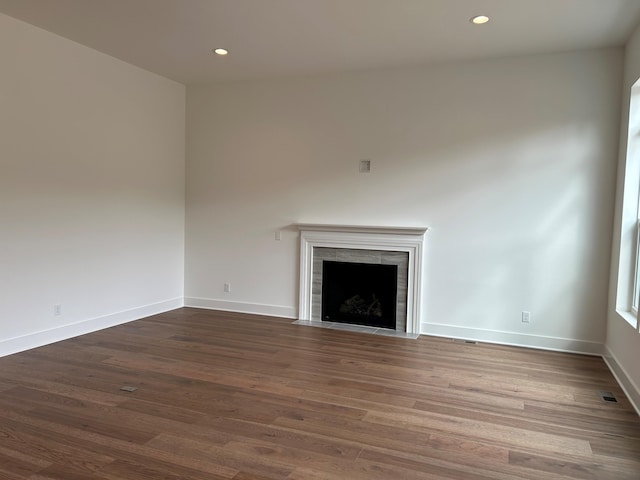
359	293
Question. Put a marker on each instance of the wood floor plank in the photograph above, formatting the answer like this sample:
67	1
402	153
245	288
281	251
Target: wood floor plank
250	476
518	437
47	446
148	469
319	444
564	467
234	459
228	396
60	472
78	450
355	430
15	465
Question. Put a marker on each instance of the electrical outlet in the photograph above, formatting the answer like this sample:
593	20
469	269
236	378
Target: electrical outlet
278	235
526	317
57	310
227	288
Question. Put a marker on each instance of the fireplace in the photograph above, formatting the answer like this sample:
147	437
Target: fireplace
358	264
390	249
359	293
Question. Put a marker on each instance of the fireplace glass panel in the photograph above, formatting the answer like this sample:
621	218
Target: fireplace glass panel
359	293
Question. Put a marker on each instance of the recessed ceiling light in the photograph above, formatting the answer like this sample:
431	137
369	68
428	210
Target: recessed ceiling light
220	51
479	19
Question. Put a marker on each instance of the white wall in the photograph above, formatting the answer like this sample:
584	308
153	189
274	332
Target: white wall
91	189
623	340
511	162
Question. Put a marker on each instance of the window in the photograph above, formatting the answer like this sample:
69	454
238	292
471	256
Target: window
628	282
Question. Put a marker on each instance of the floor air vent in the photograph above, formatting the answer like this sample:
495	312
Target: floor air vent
468	342
608	397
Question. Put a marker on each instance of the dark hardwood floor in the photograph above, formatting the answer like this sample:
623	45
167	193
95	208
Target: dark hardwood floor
229	396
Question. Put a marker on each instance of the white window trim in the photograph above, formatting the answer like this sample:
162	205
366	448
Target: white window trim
636	280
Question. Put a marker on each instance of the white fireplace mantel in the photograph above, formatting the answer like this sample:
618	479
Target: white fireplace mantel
364	237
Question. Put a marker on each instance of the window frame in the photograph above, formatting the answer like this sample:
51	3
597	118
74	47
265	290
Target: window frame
636	274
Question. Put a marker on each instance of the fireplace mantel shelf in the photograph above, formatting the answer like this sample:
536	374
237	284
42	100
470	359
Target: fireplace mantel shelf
371	229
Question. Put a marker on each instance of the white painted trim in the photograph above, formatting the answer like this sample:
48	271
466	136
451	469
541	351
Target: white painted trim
392	239
631	390
316	227
513	339
628	316
241	307
64	332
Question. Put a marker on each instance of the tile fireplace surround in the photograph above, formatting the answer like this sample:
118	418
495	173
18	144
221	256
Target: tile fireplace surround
365	244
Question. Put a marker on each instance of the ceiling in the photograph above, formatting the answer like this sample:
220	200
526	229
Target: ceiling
267	38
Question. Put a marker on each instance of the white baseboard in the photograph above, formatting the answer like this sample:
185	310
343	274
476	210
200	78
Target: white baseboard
64	332
241	307
514	339
631	390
